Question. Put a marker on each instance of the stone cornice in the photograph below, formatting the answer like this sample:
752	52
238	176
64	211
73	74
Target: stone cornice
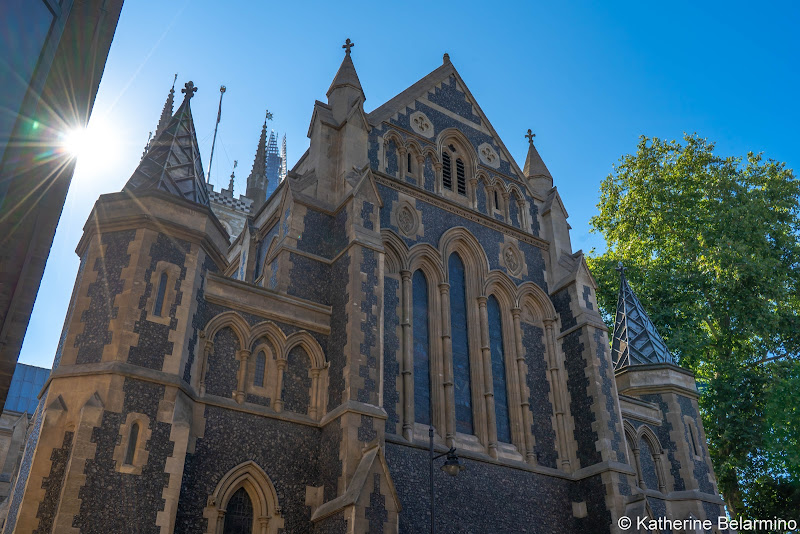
249	298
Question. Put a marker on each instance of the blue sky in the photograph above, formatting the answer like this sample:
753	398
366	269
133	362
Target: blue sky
588	78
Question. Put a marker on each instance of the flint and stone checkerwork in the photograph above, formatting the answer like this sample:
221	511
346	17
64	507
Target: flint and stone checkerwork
270	344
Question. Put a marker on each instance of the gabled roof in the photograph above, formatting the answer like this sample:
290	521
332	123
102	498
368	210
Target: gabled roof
428	84
172	162
636	340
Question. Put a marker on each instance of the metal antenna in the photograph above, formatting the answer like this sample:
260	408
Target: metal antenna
214	142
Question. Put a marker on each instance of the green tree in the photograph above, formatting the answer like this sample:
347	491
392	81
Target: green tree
711	245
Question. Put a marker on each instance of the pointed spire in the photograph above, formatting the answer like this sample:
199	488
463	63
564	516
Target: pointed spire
346	79
166	113
535	169
172	162
273	168
636	340
257	181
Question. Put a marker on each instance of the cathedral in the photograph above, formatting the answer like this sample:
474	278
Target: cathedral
395	337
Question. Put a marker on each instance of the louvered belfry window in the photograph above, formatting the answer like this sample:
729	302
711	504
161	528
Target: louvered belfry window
447	176
461	180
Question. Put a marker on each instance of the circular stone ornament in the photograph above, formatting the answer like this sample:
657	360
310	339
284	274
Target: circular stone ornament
407	220
421	124
489	155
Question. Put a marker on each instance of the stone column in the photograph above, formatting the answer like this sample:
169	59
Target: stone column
280	363
312	410
473	193
639	474
527	416
208	349
402	165
437	166
506	210
447	360
559	401
488	385
407	356
523	215
242	356
421	171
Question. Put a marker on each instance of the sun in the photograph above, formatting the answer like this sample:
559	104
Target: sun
94	147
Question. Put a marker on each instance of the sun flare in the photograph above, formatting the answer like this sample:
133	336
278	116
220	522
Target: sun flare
94	147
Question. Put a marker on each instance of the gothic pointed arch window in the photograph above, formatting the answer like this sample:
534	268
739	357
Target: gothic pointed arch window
460	345
239	514
500	390
422	377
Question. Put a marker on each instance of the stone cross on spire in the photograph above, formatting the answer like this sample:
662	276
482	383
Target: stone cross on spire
530	135
189	89
269	117
348	44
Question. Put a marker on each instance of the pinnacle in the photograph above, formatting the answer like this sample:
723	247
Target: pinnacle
346	75
534	165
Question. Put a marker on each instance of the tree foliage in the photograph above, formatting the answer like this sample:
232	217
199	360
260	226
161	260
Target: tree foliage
712	248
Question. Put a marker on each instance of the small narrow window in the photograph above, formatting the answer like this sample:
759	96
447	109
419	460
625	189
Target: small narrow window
134	436
410	170
461	179
496	200
691	438
162	289
447	177
261	364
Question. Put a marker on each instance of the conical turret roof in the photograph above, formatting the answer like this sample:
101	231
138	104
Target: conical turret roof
172	162
346	75
636	340
534	165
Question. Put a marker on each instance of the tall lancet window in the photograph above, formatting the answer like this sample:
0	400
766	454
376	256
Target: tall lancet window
460	342
422	377
162	289
498	371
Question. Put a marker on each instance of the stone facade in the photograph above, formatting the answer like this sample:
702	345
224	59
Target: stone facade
283	362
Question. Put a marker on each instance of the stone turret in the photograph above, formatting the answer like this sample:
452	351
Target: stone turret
338	133
257	181
116	403
535	170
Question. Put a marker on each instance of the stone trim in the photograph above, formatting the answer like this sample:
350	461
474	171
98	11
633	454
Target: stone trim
452	207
